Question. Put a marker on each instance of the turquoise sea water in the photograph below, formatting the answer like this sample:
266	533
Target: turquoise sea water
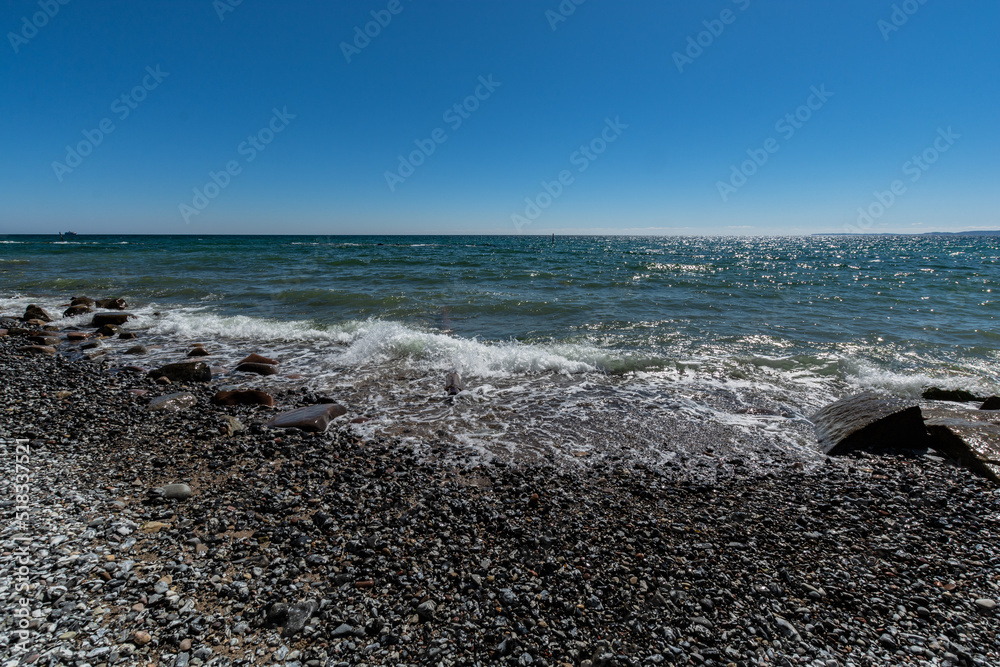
579	339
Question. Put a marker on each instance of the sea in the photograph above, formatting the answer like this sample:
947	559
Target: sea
693	354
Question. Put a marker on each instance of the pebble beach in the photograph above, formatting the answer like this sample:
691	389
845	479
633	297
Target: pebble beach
165	532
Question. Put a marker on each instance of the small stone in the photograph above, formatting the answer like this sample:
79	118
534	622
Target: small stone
985	604
172	402
178	491
141	637
298	615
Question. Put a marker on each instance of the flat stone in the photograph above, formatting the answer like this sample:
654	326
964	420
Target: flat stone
259	369
37	349
117	319
315	418
258	359
172	402
243	397
869	422
985	604
185	371
77	335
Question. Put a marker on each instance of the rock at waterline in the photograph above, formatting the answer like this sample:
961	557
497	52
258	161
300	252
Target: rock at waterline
453	383
315	418
127	335
117	319
52	341
137	349
869	422
991	403
198	352
258	359
953	395
108	331
970	439
185	371
33	312
112	304
81	301
172	402
243	397
259	369
73	311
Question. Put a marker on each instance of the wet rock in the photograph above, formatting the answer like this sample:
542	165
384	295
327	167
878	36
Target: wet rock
972	442
127	335
954	395
172	402
991	403
108	330
81	301
51	341
243	397
77	336
871	423
259	369
73	311
185	371
137	349
112	304
298	615
453	383
33	312
117	319
198	352
314	418
258	359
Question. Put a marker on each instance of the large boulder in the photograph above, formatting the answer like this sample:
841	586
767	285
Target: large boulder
243	397
971	439
259	369
185	371
991	403
315	418
79	309
33	312
871	423
117	319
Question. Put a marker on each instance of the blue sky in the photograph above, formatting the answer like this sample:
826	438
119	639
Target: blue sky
632	117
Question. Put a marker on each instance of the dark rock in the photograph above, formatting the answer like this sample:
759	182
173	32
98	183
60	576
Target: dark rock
243	397
76	336
137	349
972	442
259	369
127	335
315	418
37	349
258	359
172	402
298	615
453	383
112	304
197	352
33	312
45	340
869	422
954	395
73	311
991	403
342	630
118	319
81	301
185	371
108	331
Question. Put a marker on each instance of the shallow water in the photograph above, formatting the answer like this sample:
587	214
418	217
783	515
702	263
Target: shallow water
680	351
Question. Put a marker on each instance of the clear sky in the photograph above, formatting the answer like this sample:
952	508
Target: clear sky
499	116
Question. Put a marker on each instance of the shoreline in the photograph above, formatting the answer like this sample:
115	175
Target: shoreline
316	549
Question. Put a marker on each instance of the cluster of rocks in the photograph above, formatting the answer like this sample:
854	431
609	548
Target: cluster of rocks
194	523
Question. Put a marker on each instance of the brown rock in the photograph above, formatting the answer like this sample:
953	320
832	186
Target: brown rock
315	418
185	371
81	301
259	369
36	323
117	319
127	335
112	304
37	349
73	311
243	397
76	336
141	637
3	332
197	351
45	340
33	312
257	359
